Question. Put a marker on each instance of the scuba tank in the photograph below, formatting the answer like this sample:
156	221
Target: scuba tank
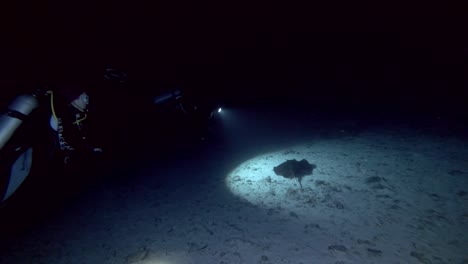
16	153
15	115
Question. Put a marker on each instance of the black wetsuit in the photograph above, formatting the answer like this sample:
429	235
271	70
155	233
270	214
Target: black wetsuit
72	161
73	135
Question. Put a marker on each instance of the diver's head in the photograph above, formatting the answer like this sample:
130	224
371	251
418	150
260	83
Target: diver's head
77	95
81	103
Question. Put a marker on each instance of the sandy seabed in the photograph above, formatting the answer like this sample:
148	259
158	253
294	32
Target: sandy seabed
380	196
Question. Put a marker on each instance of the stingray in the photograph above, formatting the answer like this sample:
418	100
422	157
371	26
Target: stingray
294	169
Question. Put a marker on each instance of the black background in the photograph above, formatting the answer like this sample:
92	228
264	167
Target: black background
381	56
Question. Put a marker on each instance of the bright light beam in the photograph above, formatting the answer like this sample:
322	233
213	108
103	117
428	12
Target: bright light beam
256	182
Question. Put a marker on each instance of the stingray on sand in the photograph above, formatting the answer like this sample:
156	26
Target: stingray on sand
294	169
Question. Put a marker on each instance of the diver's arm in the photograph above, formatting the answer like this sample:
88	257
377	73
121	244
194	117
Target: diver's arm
71	139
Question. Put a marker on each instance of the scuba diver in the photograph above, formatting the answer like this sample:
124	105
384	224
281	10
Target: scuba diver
44	152
74	148
47	136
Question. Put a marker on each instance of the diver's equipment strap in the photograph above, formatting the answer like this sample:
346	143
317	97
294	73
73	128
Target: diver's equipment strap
16	114
78	121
